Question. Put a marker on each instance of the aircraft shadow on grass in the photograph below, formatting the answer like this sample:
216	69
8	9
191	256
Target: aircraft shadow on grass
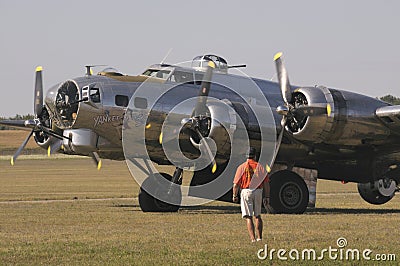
215	209
192	209
324	211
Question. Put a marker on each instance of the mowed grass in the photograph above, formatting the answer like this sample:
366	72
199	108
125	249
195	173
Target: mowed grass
65	212
10	140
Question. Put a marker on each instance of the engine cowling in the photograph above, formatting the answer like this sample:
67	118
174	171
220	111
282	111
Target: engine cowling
312	128
222	125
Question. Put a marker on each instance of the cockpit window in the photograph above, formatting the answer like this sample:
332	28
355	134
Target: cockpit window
182	77
156	73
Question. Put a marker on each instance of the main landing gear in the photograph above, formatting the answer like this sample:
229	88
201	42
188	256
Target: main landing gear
161	192
289	193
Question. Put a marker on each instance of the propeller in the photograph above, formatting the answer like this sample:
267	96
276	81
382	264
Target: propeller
38	109
96	159
199	113
201	108
290	110
199	121
18	152
38	97
196	123
283	79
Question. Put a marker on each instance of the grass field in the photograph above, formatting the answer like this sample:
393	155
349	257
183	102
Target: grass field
62	211
10	140
65	212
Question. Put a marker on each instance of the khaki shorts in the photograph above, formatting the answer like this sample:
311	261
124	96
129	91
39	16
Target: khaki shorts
251	201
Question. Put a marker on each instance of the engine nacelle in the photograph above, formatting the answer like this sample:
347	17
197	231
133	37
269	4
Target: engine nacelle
313	128
350	119
80	141
43	140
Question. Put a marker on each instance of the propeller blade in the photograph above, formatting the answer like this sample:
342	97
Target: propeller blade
208	150
97	160
283	78
17	153
38	102
312	110
20	124
54	147
200	107
278	144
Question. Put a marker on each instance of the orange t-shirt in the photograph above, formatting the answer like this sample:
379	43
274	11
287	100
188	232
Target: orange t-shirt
250	174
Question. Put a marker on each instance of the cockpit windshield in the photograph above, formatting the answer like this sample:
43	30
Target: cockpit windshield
157	73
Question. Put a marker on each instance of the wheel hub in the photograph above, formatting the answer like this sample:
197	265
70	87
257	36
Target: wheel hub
290	195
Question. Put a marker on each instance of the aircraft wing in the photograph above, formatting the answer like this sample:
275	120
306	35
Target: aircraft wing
390	116
15	123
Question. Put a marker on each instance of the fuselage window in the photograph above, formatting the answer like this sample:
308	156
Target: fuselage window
140	102
95	95
121	100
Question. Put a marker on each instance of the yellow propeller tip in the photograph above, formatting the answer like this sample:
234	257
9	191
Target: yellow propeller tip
99	165
39	68
211	64
12	161
214	168
160	139
328	109
148	126
268	168
277	56
48	151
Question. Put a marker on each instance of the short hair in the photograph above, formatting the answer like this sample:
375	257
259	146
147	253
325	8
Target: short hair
251	153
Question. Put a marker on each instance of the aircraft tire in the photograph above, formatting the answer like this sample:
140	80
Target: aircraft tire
289	193
372	196
148	203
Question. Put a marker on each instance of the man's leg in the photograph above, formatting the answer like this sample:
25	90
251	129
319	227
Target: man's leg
250	228
259	227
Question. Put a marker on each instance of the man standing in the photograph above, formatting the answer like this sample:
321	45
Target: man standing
252	179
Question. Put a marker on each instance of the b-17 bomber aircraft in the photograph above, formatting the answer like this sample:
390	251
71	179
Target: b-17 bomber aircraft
203	118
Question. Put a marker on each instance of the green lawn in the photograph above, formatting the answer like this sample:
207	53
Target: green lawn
65	212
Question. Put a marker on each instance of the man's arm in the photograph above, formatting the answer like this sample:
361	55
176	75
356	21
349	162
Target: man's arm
236	182
235	193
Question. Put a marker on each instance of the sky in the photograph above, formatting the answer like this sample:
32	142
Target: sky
351	45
